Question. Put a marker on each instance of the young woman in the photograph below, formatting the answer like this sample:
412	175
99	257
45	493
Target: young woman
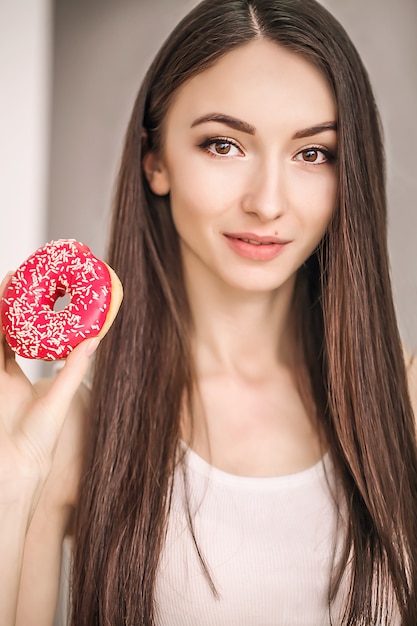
248	453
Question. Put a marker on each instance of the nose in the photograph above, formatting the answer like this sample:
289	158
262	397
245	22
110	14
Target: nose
266	195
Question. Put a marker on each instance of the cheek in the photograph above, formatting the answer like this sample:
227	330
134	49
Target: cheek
193	208
200	193
317	201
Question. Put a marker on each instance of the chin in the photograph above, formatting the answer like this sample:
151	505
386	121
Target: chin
256	284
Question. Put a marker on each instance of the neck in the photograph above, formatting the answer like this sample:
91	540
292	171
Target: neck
243	333
247	415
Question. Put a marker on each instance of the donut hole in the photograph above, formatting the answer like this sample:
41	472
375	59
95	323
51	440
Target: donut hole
62	301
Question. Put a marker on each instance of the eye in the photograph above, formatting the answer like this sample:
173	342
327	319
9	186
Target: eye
221	147
315	155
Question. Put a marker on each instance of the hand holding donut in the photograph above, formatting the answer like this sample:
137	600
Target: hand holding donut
29	429
29	424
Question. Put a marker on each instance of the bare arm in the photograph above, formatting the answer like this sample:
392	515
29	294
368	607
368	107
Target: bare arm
30	424
52	520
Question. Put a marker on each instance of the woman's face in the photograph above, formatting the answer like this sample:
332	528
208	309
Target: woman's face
248	159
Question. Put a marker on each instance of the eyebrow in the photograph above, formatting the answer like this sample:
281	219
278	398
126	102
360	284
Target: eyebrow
228	120
315	130
244	127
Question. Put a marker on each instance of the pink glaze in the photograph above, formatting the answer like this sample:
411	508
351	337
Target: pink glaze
31	326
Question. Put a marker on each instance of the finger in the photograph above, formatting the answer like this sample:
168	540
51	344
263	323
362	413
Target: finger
5	352
5	282
71	376
8	361
51	408
12	367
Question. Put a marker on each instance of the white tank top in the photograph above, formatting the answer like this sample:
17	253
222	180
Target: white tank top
268	543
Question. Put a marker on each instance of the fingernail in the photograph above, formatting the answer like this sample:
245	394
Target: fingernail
93	345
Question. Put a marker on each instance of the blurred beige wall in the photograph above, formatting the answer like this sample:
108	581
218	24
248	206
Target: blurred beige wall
385	33
25	76
101	51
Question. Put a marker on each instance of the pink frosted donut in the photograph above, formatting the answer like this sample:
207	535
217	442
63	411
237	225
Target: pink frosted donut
32	327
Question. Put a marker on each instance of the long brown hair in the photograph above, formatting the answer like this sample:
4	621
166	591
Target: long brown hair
144	370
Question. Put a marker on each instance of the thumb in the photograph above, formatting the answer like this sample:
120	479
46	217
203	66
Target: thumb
71	375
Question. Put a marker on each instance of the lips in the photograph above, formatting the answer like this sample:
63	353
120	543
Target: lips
256	247
254	242
257	240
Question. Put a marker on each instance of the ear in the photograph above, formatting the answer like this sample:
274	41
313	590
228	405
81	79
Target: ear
156	173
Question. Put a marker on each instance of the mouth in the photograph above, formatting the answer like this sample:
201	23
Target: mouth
257	240
256	243
256	247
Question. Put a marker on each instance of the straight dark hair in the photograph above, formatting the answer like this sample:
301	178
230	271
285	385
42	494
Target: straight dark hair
144	372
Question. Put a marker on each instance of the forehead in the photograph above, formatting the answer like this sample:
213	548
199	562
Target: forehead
257	82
